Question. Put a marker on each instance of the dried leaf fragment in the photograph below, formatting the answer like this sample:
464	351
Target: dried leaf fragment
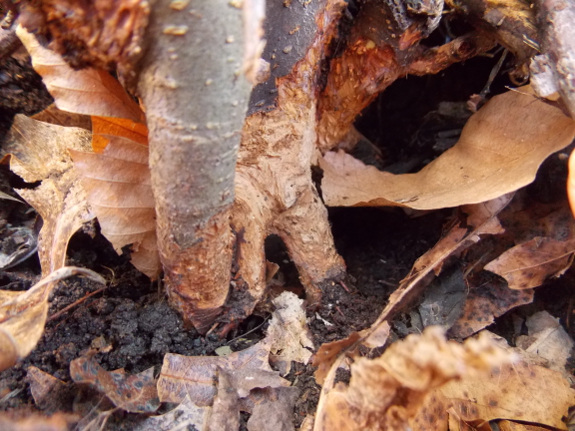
39	152
118	188
500	150
547	339
386	392
23	314
47	390
187	413
289	333
516	392
133	393
86	91
528	265
486	302
196	376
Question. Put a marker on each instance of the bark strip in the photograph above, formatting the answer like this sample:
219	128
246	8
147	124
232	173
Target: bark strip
195	99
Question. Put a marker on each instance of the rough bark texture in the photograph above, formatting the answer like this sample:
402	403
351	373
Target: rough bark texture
382	48
105	34
557	35
274	189
195	99
510	21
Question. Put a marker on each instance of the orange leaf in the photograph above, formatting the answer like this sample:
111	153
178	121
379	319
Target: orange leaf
103	126
117	183
86	91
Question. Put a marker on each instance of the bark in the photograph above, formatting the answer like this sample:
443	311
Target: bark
195	99
511	22
275	192
382	48
557	35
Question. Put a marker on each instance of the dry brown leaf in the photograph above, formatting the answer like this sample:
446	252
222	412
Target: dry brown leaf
47	391
377	337
195	376
519	392
39	152
272	409
528	265
182	417
117	183
500	150
87	91
23	314
386	392
289	333
328	353
486	302
483	215
103	127
53	115
226	407
133	393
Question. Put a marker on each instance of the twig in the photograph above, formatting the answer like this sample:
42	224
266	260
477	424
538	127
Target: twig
72	305
249	332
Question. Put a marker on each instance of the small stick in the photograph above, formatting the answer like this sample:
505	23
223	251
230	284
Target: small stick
342	284
72	305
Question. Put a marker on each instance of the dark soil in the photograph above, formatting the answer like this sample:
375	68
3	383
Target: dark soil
132	315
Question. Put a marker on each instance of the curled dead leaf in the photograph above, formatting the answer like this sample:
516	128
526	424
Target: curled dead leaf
39	152
23	314
195	376
387	392
133	393
499	151
87	91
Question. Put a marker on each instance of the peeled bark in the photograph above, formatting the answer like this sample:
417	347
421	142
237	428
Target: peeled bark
274	189
195	99
383	47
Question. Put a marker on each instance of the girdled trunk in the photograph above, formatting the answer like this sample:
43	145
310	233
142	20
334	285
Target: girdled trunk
195	98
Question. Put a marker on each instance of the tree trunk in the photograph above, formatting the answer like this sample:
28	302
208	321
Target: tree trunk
195	98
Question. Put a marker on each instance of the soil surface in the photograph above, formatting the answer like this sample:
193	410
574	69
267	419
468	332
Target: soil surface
379	246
